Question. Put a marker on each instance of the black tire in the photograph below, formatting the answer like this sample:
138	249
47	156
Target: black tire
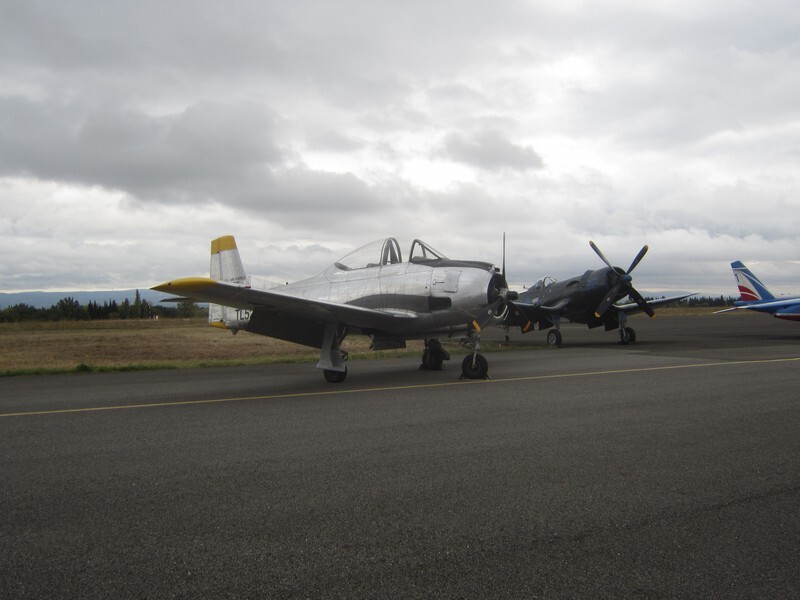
627	335
335	376
433	356
554	337
476	369
431	360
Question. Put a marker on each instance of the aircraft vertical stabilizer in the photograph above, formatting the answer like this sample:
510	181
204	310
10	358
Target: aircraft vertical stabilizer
755	296
226	266
750	287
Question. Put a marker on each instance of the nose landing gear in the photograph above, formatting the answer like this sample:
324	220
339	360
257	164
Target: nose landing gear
474	365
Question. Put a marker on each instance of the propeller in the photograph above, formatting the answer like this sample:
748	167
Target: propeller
623	283
503	270
510	295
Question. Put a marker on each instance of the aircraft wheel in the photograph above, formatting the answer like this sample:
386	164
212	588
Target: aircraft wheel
334	376
627	335
431	360
433	356
476	369
554	337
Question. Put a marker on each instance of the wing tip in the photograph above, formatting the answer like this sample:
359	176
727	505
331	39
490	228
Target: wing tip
184	284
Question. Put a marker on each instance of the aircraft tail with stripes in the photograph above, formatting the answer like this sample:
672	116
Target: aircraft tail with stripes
754	295
751	289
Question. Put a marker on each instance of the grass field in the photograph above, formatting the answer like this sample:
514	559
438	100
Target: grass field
44	347
59	347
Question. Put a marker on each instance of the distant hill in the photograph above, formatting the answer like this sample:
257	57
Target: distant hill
48	299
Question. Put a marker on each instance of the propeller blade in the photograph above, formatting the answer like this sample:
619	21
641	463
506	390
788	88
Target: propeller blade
600	254
607	301
637	297
504	255
638	258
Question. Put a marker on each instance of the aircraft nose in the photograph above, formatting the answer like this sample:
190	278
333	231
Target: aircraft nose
498	289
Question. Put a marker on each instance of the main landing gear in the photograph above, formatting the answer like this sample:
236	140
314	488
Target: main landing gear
626	334
554	335
474	365
331	355
433	356
334	376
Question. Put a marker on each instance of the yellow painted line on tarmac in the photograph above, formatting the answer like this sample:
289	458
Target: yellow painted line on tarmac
646	369
337	392
340	392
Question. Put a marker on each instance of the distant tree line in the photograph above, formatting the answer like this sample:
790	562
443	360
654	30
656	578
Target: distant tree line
69	309
710	301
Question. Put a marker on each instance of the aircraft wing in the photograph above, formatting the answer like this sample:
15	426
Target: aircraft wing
633	308
789	306
298	319
526	315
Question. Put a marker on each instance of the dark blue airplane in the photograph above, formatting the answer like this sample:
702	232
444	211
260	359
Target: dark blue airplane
591	299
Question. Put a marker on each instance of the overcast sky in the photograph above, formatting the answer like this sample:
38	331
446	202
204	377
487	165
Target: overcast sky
132	133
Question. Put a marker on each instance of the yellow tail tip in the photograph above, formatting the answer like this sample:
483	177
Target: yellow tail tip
225	242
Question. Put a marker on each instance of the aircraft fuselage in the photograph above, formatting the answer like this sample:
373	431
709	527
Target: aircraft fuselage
581	292
443	295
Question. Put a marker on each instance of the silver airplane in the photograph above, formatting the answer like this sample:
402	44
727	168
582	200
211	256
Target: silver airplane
372	291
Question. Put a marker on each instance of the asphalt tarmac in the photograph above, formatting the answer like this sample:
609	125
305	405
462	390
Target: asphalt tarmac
665	469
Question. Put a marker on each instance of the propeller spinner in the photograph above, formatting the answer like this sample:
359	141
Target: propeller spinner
622	284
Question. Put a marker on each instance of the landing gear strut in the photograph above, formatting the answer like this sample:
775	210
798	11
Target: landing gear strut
331	356
474	365
626	334
433	355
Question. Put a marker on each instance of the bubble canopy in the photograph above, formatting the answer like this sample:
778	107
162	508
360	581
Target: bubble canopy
387	252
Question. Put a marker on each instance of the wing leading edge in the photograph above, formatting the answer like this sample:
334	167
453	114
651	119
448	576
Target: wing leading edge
632	308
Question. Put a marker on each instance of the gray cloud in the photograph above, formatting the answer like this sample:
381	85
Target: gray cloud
489	150
160	125
205	147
